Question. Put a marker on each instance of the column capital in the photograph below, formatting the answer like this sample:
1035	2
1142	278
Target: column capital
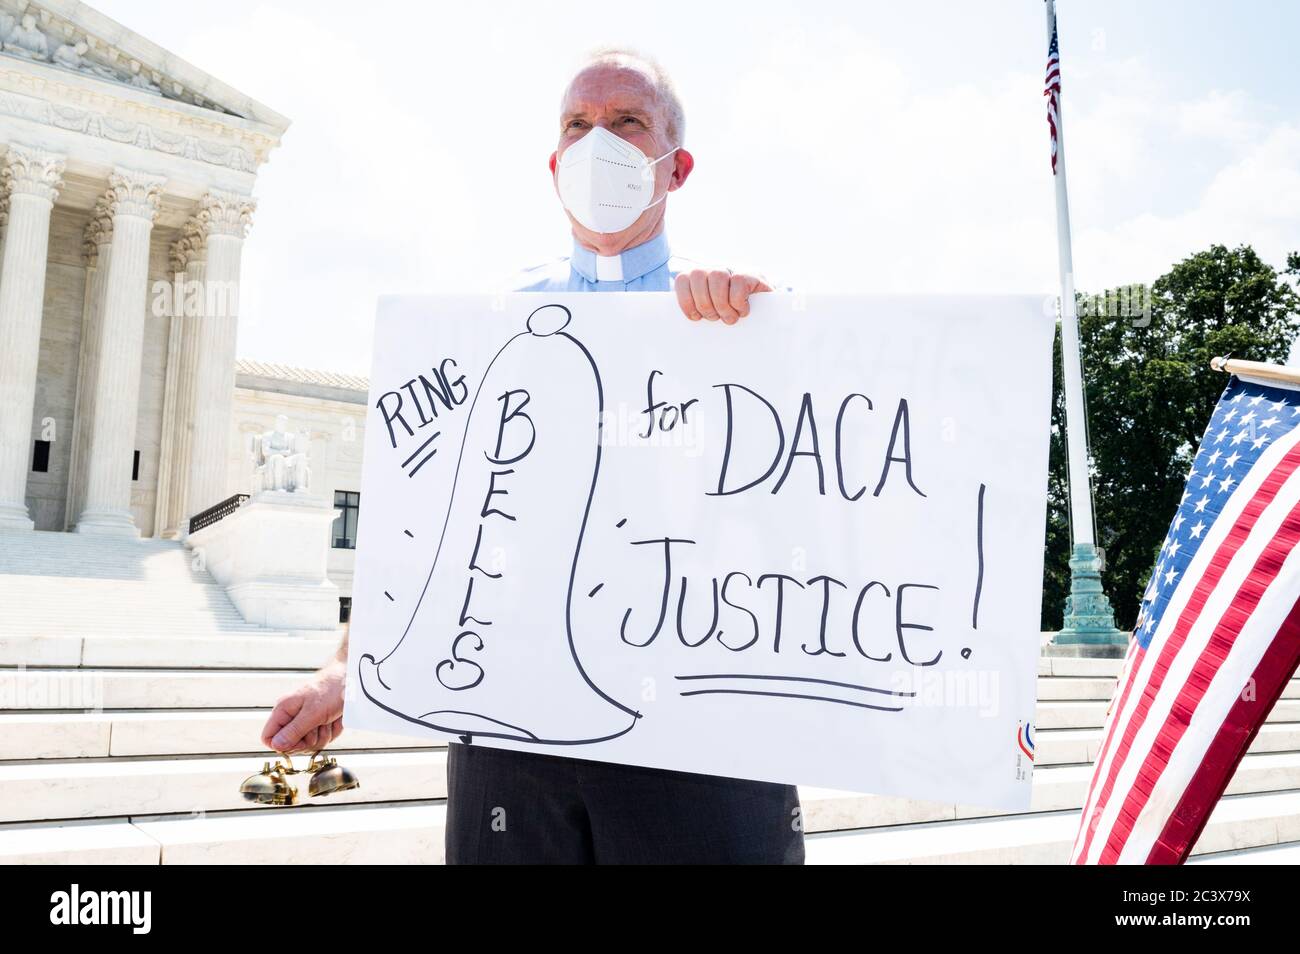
225	213
30	171
178	255
134	193
190	247
98	232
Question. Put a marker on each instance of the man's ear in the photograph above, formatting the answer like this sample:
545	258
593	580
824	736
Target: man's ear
683	163
552	162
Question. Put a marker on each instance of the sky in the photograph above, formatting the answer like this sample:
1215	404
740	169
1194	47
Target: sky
839	146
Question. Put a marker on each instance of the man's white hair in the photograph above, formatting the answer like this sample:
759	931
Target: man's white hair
626	58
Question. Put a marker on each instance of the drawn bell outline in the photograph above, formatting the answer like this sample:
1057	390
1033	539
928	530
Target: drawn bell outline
529	463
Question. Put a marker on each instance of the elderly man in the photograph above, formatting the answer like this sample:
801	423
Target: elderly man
619	156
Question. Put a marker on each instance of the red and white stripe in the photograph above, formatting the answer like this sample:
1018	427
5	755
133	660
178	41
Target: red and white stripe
1052	90
1180	721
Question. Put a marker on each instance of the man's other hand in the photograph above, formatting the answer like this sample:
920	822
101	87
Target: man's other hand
310	718
717	294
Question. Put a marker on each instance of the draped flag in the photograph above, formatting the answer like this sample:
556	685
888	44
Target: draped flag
1216	641
1052	89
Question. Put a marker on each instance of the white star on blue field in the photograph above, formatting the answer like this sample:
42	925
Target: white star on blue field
1248	419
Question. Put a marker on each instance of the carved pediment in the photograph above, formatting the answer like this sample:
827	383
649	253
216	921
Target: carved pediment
71	36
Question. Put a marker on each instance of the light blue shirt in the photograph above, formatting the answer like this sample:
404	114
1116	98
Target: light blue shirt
649	266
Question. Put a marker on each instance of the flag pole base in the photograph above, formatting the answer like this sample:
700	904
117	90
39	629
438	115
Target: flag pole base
1089	624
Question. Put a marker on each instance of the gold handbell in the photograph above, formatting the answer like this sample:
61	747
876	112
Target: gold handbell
271	785
329	777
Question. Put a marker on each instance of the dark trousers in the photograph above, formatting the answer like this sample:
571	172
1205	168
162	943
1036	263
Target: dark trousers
507	807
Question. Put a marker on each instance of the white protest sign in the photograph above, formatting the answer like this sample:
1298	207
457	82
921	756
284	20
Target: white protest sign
807	548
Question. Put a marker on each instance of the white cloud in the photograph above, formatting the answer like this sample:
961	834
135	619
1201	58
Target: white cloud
1255	199
1219	116
830	151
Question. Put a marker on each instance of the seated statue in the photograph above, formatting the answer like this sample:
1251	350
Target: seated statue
280	459
26	40
104	72
69	55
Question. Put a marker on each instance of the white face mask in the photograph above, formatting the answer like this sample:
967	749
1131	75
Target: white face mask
606	182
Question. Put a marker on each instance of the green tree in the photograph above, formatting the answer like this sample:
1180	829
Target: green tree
1150	393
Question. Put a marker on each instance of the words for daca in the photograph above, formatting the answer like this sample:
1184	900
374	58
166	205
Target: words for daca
424	400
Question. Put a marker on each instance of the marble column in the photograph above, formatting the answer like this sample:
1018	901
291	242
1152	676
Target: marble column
31	180
224	218
167	438
187	255
133	199
96	253
4	219
195	270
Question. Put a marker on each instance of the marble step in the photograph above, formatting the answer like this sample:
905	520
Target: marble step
176	650
143	688
140	613
1074	689
403	833
1055	788
181	627
1244	829
131	613
263	649
59	688
108	613
130	597
1285	854
164	688
1079	688
1065	746
71	553
117	591
184	626
74	735
1091	715
86	788
195	583
1238	822
1067	666
142	607
113	841
164	569
70	735
410	833
95	788
128	613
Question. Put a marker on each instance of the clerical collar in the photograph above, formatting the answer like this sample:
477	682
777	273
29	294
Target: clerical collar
625	267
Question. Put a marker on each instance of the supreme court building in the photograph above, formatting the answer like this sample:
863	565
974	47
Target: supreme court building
124	170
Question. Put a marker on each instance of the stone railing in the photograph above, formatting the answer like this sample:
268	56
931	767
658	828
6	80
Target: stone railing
271	553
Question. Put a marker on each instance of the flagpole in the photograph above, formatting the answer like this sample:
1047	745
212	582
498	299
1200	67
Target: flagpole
1089	624
1257	369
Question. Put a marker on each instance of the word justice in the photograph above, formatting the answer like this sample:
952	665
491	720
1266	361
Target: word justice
749	612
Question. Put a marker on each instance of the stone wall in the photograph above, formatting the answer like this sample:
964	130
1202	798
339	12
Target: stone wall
56	375
336	425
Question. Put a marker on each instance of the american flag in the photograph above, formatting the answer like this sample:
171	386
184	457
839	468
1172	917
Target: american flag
1217	638
1052	89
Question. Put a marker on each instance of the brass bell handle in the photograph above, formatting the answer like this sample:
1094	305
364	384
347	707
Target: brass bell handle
284	762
